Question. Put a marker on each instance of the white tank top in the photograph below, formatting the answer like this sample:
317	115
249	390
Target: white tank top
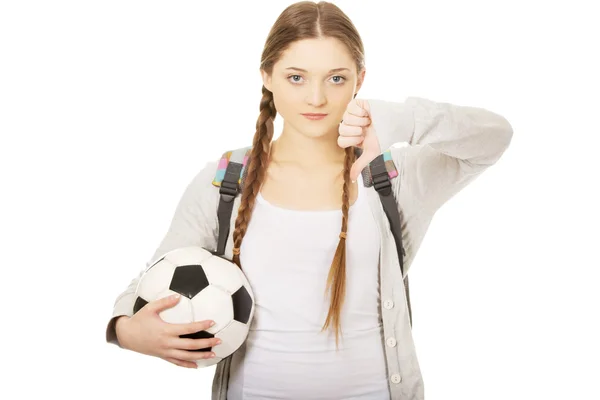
286	256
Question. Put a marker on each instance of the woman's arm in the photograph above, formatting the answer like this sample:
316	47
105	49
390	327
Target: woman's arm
194	224
449	145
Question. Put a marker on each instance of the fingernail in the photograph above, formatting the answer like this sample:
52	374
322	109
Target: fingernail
218	341
175	296
212	323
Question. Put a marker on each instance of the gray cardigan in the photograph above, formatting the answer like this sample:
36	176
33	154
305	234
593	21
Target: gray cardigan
448	147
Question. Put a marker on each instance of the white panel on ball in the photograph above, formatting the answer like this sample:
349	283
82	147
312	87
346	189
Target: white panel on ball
192	255
155	280
232	337
180	313
212	303
207	362
223	274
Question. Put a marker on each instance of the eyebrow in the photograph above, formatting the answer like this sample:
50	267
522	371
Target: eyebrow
333	70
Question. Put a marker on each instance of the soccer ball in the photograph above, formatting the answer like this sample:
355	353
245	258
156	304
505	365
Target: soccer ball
211	288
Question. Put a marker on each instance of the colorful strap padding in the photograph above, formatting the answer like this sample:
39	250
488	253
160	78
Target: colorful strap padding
239	156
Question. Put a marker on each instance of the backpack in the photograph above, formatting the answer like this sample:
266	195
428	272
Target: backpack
231	173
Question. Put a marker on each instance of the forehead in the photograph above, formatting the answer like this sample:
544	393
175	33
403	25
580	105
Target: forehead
316	55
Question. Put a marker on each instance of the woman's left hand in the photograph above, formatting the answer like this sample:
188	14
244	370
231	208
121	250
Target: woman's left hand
356	129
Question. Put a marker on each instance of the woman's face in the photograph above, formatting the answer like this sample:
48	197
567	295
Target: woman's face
313	76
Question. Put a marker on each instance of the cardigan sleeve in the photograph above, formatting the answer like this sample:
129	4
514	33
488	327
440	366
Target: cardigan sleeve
194	223
449	145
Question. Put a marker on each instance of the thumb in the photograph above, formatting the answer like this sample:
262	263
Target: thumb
165	302
360	164
364	105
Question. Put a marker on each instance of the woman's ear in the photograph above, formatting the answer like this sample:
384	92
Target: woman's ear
360	80
266	78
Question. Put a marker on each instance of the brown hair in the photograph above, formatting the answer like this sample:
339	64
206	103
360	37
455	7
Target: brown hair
301	20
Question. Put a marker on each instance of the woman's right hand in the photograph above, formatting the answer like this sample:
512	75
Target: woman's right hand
146	333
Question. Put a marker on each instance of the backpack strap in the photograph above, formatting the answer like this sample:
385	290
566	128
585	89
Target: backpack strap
388	163
379	174
229	176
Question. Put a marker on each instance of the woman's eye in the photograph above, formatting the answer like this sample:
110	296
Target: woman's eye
341	79
294	76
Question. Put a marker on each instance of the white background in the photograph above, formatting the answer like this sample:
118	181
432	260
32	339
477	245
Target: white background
109	108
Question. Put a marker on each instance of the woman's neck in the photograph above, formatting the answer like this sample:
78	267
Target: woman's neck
295	148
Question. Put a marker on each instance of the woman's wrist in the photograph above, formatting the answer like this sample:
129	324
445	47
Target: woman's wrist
119	324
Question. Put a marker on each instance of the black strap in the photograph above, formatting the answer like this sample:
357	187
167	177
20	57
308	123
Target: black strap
383	185
229	190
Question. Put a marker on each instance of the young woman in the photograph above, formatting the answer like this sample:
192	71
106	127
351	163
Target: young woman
306	224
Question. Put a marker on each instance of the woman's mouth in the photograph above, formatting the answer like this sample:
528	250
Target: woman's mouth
314	117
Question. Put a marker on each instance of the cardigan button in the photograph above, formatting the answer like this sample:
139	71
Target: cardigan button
396	378
391	342
388	304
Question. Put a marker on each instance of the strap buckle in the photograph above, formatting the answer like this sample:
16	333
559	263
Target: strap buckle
228	191
382	183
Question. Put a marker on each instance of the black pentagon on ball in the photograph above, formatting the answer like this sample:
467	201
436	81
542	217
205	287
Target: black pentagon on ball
199	335
139	303
242	305
188	280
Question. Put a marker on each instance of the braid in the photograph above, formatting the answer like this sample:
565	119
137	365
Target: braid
336	280
257	166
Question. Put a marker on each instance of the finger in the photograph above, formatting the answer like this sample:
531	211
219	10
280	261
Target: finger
344	141
189	328
347	130
181	363
354	120
356	107
163	303
359	165
194	344
187	355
